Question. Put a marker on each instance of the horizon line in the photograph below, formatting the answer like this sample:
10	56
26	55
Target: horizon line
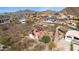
38	9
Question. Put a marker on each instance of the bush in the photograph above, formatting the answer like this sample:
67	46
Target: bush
71	47
76	18
45	39
5	40
51	45
4	28
77	25
39	47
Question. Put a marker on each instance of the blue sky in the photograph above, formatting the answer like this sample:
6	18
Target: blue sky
14	9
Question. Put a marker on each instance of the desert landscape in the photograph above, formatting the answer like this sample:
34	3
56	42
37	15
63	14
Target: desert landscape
49	30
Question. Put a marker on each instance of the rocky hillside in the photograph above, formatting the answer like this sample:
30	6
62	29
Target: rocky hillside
25	14
71	11
48	12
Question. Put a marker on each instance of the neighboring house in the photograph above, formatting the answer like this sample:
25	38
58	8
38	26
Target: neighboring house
37	33
50	18
70	16
73	36
4	21
72	25
48	21
62	17
23	21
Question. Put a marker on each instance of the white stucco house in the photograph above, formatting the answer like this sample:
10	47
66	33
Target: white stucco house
23	21
73	36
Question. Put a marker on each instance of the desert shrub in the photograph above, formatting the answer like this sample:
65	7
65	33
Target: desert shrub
51	28
29	22
13	48
51	45
39	47
71	47
4	28
45	39
78	25
5	40
76	18
23	45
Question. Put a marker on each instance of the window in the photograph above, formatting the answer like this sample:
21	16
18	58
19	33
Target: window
69	37
76	38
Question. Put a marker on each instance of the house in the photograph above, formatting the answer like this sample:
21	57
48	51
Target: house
23	21
48	21
72	24
70	16
51	18
72	36
62	17
4	21
37	33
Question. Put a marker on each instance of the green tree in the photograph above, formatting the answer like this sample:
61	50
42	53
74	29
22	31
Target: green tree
45	39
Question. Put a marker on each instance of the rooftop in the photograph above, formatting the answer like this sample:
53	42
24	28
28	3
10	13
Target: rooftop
73	33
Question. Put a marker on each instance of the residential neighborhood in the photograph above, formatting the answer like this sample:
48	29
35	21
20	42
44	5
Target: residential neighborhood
48	30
